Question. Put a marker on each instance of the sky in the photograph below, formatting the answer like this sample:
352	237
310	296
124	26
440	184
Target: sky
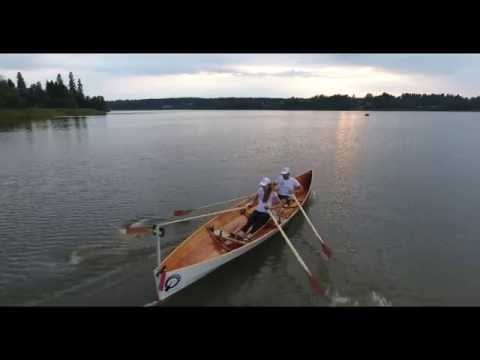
141	76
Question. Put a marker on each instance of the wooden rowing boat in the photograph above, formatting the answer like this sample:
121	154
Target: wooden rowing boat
203	251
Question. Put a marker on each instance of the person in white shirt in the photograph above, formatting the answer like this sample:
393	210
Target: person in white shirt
287	186
267	199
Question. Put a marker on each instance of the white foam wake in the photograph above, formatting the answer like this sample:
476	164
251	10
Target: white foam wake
379	300
374	299
153	303
75	258
337	300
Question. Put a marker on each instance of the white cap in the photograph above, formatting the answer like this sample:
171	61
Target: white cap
285	171
265	181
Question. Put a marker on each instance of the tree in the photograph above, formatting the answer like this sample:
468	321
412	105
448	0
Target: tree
80	97
96	102
21	83
55	95
49	88
60	80
80	88
36	95
32	96
61	96
8	96
71	84
21	92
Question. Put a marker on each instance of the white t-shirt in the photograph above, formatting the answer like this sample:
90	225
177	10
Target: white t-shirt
261	205
286	187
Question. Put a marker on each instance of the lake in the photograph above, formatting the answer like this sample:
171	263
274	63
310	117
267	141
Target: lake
396	196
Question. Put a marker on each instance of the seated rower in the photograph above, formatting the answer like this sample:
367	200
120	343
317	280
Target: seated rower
287	186
267	199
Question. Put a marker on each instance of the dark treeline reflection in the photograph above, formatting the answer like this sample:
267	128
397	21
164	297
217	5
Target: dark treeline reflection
66	123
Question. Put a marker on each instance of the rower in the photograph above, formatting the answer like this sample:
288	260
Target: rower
287	186
267	199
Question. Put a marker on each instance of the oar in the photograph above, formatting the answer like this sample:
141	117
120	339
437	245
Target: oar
176	213
143	230
202	216
181	212
326	250
313	282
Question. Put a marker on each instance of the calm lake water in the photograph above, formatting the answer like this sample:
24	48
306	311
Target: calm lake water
396	195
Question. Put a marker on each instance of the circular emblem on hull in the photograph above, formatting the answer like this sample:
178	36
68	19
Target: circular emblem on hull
172	281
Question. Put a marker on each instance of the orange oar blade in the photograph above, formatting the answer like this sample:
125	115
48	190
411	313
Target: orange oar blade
319	290
327	251
181	212
136	230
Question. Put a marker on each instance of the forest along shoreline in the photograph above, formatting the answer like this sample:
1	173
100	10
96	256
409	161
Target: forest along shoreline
19	103
383	102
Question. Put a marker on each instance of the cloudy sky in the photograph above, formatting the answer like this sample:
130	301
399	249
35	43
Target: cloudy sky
137	76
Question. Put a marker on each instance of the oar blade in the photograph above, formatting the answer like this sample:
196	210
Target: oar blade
136	230
181	212
327	251
317	288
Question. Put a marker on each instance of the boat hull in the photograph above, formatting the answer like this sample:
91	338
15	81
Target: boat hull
179	279
170	282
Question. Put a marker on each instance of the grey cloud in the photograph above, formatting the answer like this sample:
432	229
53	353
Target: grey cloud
19	62
146	64
456	71
441	64
174	64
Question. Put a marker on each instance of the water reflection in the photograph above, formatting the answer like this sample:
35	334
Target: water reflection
66	123
29	125
80	122
347	144
40	124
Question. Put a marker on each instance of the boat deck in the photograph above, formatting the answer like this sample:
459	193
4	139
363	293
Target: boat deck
200	246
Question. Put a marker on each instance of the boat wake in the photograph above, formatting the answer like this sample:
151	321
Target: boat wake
74	259
83	286
373	299
153	303
111	254
85	253
337	300
379	300
92	253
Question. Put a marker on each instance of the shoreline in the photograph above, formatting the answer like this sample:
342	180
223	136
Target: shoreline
12	116
266	109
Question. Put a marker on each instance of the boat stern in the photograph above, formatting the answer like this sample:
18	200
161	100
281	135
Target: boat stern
166	282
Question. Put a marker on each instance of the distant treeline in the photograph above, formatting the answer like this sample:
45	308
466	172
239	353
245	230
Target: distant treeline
55	95
384	101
